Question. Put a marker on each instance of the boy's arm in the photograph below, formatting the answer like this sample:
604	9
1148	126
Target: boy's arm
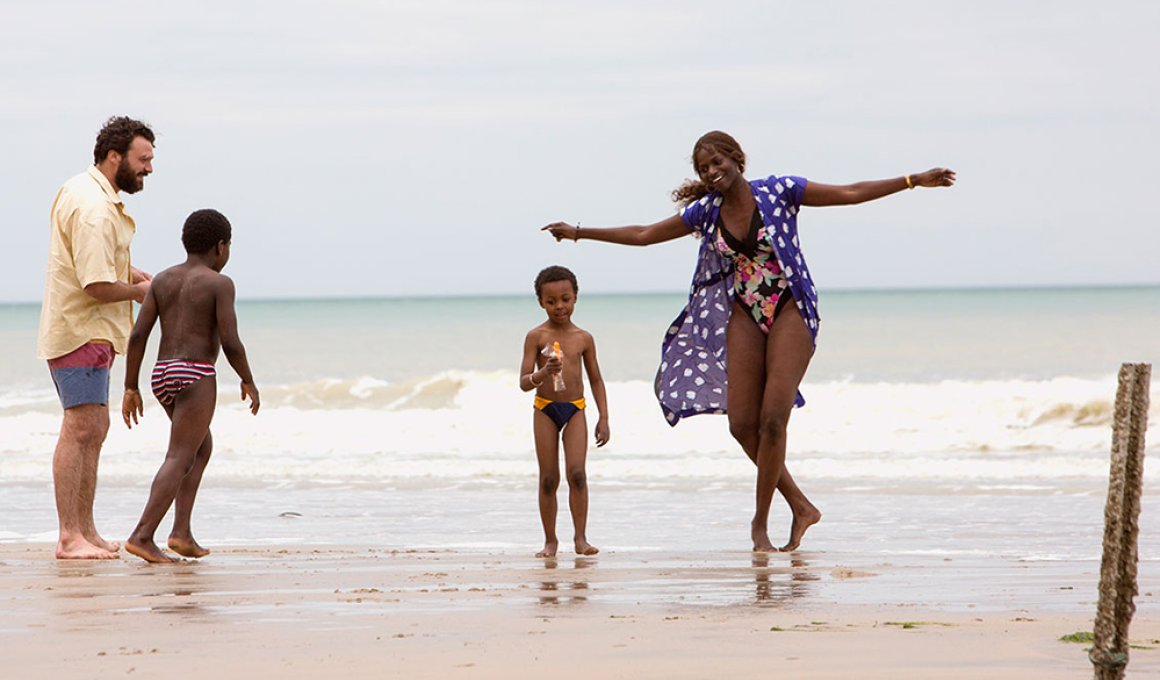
227	324
530	377
596	382
131	405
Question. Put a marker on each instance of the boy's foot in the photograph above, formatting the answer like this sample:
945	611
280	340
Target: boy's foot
81	549
149	552
549	549
186	547
583	547
761	542
797	529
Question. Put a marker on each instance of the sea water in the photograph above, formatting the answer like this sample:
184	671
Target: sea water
949	422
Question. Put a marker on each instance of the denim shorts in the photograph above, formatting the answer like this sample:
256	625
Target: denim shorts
82	375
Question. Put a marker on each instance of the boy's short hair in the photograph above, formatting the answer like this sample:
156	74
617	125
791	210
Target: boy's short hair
204	229
117	134
555	273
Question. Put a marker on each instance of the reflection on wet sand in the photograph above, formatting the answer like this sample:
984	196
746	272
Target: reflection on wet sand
779	585
570	590
178	581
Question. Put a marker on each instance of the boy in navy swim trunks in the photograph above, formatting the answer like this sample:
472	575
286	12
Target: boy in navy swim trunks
195	303
559	414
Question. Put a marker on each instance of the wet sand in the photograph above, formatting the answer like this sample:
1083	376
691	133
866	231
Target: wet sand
357	612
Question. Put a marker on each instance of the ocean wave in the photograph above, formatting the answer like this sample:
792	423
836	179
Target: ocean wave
430	393
465	425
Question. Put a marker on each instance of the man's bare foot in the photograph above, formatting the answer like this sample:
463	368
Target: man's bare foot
761	542
583	547
186	547
111	546
801	522
148	552
80	549
549	549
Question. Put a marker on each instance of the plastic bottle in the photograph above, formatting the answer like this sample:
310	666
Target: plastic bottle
558	378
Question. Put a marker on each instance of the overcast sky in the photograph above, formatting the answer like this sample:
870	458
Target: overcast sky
367	148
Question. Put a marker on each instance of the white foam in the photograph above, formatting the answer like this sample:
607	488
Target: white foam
465	425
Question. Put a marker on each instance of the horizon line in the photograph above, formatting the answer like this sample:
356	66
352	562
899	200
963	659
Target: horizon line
883	289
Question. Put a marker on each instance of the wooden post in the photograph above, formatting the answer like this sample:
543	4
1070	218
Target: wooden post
1109	652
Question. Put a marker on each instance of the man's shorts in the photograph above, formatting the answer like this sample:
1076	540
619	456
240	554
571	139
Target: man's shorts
82	375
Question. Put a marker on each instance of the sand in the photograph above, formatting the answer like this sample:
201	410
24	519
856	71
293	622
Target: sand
362	612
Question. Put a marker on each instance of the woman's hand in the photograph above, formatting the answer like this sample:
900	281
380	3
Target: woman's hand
935	177
562	230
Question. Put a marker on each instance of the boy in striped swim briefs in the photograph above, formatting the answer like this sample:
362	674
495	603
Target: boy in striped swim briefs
195	304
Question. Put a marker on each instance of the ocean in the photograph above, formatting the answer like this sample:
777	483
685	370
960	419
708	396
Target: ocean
949	422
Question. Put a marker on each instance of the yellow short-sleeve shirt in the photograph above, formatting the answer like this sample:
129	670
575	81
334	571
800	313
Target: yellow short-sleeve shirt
89	243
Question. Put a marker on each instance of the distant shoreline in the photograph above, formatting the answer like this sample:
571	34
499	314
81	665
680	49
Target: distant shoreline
1046	288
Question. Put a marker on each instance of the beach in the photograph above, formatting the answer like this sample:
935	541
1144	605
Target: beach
378	517
361	612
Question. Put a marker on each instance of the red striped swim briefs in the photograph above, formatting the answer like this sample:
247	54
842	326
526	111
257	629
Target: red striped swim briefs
172	376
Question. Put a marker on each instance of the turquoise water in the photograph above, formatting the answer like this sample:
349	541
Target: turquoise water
391	419
913	336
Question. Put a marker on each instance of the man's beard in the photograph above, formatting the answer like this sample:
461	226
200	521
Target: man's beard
127	180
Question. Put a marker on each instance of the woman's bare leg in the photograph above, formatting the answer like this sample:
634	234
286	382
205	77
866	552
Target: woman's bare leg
746	347
788	350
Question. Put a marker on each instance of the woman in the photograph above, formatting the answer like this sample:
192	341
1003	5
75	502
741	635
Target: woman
753	300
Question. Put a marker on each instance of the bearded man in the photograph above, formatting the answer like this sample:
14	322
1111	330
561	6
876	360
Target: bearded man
86	317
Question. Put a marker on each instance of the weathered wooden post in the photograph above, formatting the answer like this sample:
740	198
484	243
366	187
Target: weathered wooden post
1109	653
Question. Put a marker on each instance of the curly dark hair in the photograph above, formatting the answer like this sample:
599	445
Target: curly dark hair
117	134
203	230
555	273
720	142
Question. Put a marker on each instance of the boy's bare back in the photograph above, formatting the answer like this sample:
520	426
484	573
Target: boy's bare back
191	299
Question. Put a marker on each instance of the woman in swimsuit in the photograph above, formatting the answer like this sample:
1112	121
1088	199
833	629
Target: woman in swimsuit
752	299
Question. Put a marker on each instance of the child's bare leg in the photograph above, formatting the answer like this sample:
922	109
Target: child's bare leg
575	455
191	414
181	539
548	458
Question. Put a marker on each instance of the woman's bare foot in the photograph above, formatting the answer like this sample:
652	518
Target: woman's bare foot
81	549
583	547
761	542
148	551
186	547
801	521
549	549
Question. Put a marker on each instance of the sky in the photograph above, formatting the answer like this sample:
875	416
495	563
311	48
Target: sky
416	148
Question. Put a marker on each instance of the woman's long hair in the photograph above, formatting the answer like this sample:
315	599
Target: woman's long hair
718	141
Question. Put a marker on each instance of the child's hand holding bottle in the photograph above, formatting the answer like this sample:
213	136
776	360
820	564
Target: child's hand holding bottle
555	364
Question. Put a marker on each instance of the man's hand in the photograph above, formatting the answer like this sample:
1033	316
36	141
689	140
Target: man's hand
138	276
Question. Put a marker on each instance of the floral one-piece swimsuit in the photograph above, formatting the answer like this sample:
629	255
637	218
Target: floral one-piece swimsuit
758	284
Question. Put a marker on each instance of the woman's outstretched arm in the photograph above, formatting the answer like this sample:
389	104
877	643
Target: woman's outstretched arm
818	194
665	230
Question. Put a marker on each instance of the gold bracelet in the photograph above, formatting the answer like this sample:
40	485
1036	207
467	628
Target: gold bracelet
909	184
532	381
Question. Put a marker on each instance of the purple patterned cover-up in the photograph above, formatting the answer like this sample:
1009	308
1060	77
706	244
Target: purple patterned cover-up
692	377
